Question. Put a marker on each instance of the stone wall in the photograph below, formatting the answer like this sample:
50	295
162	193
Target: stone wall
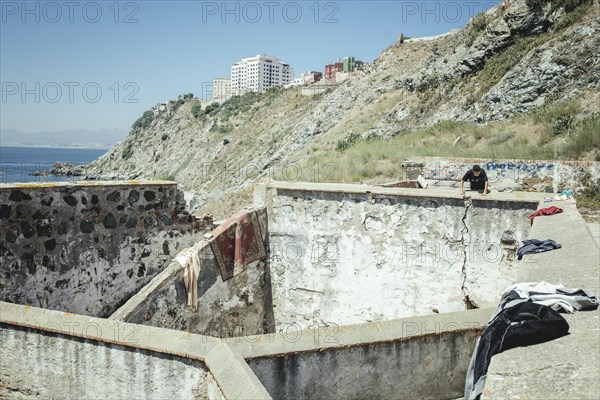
348	257
237	307
38	365
86	248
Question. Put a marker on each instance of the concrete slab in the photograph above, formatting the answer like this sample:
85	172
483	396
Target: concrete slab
236	379
576	263
309	340
166	341
565	368
568	367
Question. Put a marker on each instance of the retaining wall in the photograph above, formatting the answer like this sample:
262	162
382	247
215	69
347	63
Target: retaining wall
518	175
239	306
87	247
343	254
45	365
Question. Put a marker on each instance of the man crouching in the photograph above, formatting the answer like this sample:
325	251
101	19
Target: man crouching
478	180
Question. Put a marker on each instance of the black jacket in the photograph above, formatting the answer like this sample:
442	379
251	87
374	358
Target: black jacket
477	182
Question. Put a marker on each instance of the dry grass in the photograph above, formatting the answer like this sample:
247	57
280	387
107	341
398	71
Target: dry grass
526	137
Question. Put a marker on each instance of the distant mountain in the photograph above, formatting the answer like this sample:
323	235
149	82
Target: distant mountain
81	138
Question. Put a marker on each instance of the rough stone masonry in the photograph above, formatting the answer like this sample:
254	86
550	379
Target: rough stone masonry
86	248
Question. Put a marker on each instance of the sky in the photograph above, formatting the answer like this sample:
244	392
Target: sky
100	64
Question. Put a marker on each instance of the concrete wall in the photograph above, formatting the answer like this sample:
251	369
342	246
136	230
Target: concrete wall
340	256
38	365
521	175
239	306
416	357
430	367
86	248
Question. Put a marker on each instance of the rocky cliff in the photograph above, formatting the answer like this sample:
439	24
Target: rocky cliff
501	66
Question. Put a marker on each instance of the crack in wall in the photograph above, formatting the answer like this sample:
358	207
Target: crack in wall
307	290
469	304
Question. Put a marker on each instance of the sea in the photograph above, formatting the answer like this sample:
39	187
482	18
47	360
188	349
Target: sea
18	164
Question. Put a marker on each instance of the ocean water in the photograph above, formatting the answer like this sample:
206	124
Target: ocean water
17	164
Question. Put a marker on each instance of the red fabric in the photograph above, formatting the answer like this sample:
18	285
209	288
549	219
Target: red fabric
236	243
545	211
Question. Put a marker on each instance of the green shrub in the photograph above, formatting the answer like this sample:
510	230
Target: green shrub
479	22
197	111
240	104
211	107
589	197
536	4
477	25
567	5
144	121
127	151
226	128
167	177
164	137
563	124
430	82
584	139
573	16
347	142
545	113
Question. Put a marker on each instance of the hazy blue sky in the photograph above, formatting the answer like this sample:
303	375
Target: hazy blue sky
94	65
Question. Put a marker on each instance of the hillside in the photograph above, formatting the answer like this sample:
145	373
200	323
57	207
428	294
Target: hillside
521	82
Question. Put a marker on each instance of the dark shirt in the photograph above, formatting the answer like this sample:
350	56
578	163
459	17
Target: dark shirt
477	182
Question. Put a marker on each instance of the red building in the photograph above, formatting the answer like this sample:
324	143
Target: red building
332	69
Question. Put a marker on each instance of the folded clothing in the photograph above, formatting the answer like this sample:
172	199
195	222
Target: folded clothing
536	246
558	297
527	314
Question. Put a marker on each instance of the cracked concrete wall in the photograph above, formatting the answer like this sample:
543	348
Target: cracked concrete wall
38	365
237	307
344	258
87	248
425	367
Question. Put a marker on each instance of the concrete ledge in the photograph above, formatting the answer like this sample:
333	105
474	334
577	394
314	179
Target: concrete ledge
314	340
576	263
162	340
232	374
166	277
236	379
565	368
142	296
495	199
420	358
568	367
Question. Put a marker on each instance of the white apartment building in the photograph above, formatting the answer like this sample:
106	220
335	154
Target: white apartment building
257	74
221	88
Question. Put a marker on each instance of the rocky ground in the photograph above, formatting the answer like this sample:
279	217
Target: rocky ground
217	157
